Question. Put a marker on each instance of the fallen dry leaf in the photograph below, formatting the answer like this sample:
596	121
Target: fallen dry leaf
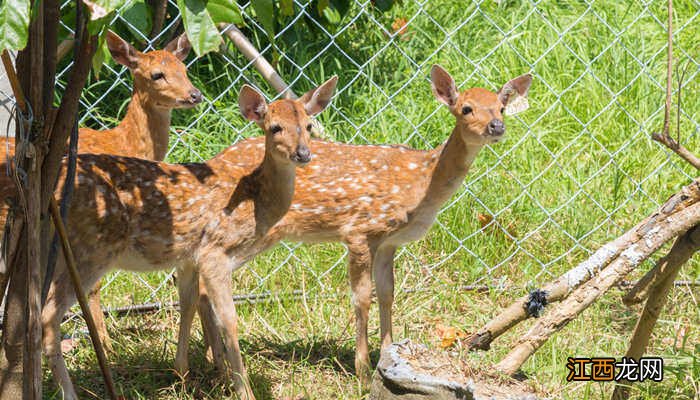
484	219
400	26
448	335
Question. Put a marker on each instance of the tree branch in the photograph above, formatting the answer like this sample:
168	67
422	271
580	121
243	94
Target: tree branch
577	276
665	137
682	250
65	117
677	148
585	295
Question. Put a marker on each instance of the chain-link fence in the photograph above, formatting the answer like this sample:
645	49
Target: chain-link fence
577	169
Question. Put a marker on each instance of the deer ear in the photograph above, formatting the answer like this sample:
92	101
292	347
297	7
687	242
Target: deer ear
515	88
444	88
252	104
316	100
180	47
122	52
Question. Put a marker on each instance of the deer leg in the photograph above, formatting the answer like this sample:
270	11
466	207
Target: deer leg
51	315
60	297
97	315
217	282
212	336
360	268
187	290
383	266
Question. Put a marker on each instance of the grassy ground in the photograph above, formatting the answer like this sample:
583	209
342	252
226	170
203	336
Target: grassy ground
578	168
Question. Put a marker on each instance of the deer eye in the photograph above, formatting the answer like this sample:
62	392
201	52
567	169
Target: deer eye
309	127
503	110
275	129
466	110
157	75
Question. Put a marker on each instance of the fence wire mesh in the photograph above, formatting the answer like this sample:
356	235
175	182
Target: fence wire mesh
577	169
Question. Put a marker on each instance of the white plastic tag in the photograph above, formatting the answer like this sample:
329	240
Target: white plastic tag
517	105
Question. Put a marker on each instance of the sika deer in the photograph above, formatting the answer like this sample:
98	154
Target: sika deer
376	198
160	85
203	219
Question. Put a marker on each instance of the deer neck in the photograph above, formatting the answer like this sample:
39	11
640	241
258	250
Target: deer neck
454	160
273	181
148	126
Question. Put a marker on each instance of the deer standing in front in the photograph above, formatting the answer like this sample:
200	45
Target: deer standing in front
204	219
376	198
160	85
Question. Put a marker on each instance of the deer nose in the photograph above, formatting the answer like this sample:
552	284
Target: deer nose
195	96
303	154
496	127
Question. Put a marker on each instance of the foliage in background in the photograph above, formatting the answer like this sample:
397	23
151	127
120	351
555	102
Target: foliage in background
14	24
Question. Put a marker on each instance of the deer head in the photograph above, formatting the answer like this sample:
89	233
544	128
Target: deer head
287	123
159	75
479	112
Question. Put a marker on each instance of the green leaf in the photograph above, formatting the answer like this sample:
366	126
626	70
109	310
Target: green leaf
225	11
100	12
14	24
332	15
199	26
138	18
383	5
101	54
286	8
265	10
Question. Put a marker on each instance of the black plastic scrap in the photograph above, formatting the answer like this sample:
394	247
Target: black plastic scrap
536	302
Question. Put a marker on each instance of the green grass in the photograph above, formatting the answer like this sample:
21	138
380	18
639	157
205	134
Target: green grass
578	168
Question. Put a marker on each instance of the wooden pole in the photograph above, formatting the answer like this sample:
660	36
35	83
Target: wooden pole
684	247
82	299
259	62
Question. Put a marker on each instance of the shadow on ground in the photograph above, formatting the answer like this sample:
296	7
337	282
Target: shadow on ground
336	354
149	374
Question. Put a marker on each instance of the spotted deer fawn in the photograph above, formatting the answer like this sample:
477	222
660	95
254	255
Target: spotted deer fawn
203	219
160	85
376	198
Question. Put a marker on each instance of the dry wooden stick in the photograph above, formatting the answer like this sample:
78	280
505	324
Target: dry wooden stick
265	69
684	247
565	284
674	259
259	62
14	82
82	299
664	137
657	283
678	149
586	294
680	253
